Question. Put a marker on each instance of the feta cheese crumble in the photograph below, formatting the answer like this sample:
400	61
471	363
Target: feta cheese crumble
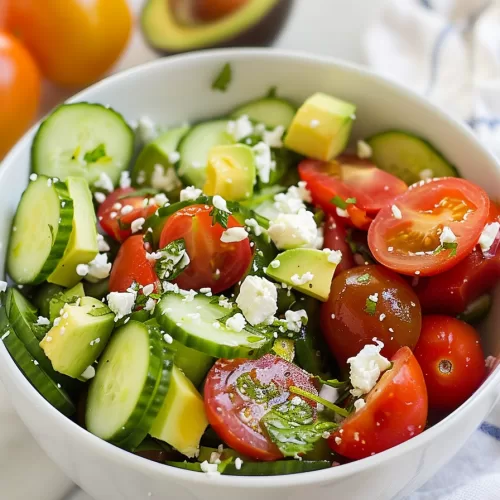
220	203
99	197
104	182
294	230
161	199
488	236
3	286
137	224
190	193
273	138
263	161
125	181
121	303
302	280
257	300
146	129
238	463
292	202
358	404
164	179
447	236
236	323
294	319
42	321
396	212
88	373
209	468
98	268
233	235
328	393
254	226
334	256
366	368
102	244
82	269
364	150
240	128
148	289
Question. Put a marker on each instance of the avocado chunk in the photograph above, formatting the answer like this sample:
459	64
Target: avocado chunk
78	336
82	245
231	172
179	26
155	164
69	296
182	420
321	127
306	270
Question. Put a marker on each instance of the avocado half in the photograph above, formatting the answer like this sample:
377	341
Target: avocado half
256	23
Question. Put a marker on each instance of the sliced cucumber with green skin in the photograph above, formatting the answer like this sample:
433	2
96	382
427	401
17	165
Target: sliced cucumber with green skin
157	153
477	310
271	111
42	297
178	317
408	156
194	150
40	231
83	140
194	364
126	383
31	369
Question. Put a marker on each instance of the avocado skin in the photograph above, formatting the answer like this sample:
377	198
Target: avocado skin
260	34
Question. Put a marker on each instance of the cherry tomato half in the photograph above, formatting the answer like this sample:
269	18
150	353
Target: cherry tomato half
235	415
367	302
410	243
120	209
452	360
132	266
213	264
395	411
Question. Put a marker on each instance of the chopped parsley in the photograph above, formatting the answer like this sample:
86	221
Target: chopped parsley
219	217
371	306
223	79
173	260
364	278
447	246
256	390
99	311
96	154
341	203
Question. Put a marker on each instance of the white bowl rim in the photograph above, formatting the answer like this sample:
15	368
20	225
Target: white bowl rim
274	482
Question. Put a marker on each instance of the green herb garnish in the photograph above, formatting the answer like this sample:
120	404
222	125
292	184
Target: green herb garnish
364	278
318	399
99	311
447	246
219	217
341	203
371	306
173	260
223	79
256	390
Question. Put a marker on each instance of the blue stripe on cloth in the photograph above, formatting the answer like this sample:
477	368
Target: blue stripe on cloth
426	4
489	122
436	52
491	430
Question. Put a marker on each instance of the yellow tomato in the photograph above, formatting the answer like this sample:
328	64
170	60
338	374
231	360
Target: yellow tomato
19	90
74	41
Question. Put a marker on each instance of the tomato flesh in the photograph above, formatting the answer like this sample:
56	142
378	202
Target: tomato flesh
213	264
410	244
235	416
132	266
348	324
395	411
335	238
452	360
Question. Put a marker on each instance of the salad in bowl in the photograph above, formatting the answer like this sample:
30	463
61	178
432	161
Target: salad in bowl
252	294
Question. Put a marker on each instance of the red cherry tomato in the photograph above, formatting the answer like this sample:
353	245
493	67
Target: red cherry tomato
409	244
350	319
131	265
120	209
452	291
213	264
395	411
235	416
452	360
350	177
335	238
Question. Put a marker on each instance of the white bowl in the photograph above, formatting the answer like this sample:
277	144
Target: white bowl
177	89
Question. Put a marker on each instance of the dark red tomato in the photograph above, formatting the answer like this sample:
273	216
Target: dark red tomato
336	239
367	302
409	244
395	411
452	291
235	415
213	264
350	177
132	266
120	209
452	360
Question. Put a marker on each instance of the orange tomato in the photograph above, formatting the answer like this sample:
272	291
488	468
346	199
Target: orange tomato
19	90
74	41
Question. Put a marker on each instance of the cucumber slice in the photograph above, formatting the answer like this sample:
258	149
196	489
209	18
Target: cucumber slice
406	156
82	140
40	231
174	314
121	401
194	364
194	150
271	111
42	297
40	380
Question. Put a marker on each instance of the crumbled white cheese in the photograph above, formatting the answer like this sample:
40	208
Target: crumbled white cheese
102	244
488	236
275	264
99	197
161	199
126	209
328	393
240	128
3	286
121	303
98	268
292	202
225	302
33	177
238	463
146	130
150	305
334	256
254	225
364	149
396	212
236	323
190	193
148	289
294	319
168	338
137	224
294	230
366	368
373	297
104	182
82	269
257	300
273	138
220	203
302	280
447	236
263	161
358	404
88	373
164	179
426	174
125	181
342	213
42	321
209	468
233	235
